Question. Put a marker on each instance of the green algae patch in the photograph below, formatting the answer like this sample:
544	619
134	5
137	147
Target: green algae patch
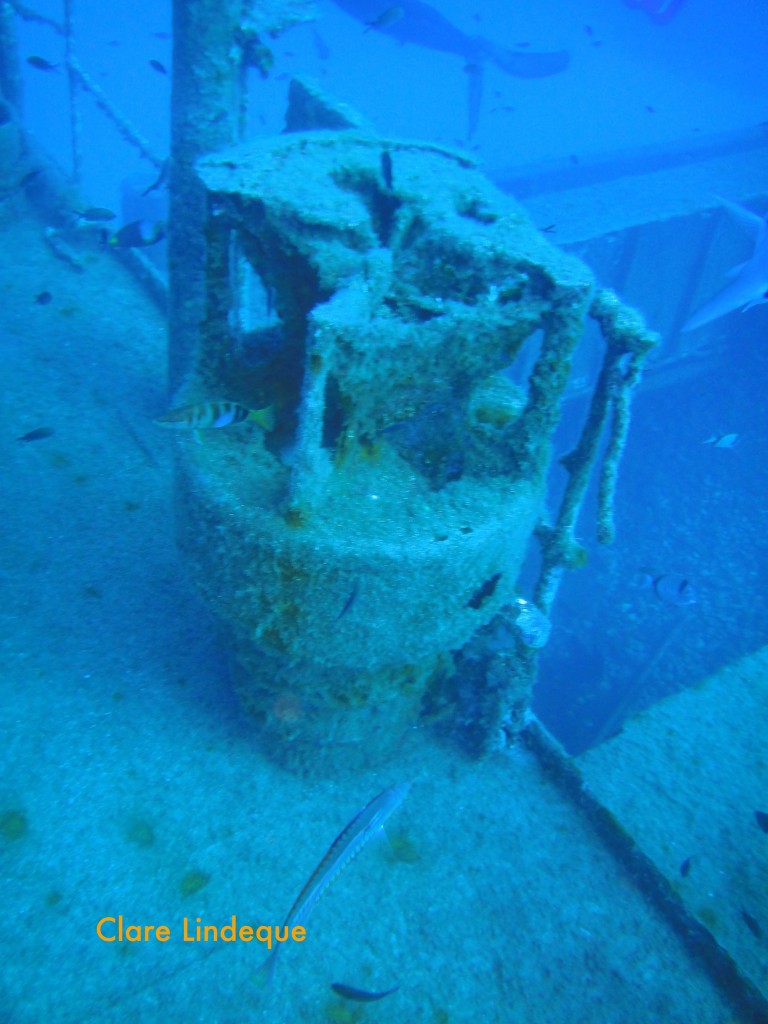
342	1013
193	882
13	825
402	849
139	832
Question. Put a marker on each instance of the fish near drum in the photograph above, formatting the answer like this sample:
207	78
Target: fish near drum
214	416
669	588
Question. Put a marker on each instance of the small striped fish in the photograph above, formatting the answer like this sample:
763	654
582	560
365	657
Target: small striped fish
345	847
207	415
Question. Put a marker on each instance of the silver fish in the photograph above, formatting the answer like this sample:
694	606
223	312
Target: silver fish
345	847
749	280
722	440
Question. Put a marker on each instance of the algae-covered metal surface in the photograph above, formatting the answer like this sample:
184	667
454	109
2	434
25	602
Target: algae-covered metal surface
688	779
386	517
372	296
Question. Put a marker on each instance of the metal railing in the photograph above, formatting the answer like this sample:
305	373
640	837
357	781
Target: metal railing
79	81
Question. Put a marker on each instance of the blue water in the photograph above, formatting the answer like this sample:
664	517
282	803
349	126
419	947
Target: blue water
133	780
695	81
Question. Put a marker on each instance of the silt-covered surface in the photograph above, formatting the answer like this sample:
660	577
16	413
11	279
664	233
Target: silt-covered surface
143	792
693	814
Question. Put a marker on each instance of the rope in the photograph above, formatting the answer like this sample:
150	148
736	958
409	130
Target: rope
628	342
75	124
123	125
79	79
27	14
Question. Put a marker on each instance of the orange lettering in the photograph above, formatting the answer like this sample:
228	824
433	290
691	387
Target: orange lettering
105	938
298	934
246	933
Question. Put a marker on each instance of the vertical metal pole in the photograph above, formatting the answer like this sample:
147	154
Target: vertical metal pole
207	101
74	89
10	72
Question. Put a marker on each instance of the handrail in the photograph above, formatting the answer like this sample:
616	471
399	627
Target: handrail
80	79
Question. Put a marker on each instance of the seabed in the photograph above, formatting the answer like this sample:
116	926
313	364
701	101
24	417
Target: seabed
132	783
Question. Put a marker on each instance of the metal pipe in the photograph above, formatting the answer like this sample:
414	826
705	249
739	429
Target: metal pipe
206	105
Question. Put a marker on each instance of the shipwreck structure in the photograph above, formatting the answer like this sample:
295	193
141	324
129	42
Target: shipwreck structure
374	293
412	334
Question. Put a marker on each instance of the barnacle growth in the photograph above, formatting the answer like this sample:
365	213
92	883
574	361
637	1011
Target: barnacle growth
375	293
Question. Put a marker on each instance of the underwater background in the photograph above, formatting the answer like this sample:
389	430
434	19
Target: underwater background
597	851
